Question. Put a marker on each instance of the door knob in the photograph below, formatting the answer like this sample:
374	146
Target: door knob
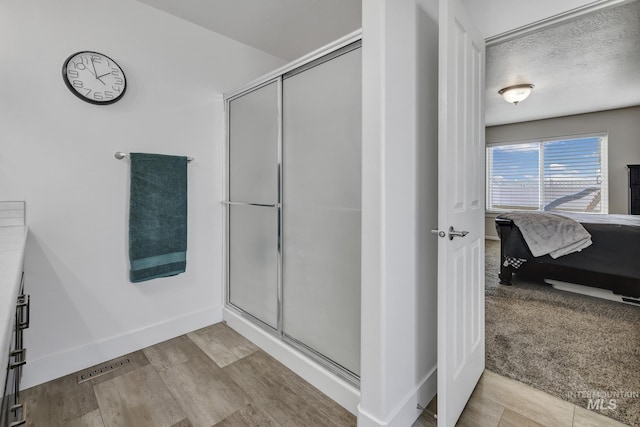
453	233
439	233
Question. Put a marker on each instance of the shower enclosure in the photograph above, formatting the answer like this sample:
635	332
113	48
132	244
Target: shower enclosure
293	205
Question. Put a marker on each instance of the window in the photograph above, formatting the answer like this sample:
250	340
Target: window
567	175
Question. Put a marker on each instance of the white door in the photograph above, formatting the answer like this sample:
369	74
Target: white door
460	210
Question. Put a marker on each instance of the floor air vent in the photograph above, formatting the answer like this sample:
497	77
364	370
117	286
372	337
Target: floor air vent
101	370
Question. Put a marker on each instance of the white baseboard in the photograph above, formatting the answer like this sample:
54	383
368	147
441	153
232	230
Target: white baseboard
337	389
56	365
491	238
407	410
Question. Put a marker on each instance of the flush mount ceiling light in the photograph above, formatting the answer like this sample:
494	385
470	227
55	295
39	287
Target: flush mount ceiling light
516	93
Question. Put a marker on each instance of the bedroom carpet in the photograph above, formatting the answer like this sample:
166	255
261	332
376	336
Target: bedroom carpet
563	343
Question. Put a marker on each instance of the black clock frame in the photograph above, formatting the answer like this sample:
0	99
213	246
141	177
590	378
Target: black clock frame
84	98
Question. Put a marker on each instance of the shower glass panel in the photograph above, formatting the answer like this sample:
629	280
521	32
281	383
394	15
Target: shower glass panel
321	208
253	203
253	261
253	151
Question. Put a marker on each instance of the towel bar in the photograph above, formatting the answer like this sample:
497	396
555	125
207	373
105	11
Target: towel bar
120	155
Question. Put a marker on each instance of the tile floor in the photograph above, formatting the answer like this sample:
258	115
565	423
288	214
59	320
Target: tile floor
215	377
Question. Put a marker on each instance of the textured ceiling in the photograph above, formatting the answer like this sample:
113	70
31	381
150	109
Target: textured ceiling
287	29
588	64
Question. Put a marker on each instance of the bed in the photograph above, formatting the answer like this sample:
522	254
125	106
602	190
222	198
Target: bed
611	262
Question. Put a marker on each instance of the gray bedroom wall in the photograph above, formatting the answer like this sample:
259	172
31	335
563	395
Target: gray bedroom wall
623	127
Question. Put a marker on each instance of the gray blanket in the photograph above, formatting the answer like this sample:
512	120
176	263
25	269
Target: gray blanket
548	233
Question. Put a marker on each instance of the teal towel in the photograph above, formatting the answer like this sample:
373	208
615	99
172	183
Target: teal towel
157	216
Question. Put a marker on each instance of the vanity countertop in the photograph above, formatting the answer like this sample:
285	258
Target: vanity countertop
12	246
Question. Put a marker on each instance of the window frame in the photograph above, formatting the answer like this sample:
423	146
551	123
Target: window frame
604	166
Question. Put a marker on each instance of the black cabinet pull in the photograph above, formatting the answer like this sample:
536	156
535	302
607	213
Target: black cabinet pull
23	313
18	362
22	407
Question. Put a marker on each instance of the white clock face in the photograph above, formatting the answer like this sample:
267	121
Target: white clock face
94	77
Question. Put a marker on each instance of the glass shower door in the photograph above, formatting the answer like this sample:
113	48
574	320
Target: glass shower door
253	203
321	208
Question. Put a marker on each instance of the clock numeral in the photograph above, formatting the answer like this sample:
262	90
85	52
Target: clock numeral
88	92
116	88
96	58
77	83
80	66
115	71
73	73
119	81
108	94
98	96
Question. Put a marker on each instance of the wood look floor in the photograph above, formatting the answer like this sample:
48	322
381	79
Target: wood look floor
210	377
215	377
502	402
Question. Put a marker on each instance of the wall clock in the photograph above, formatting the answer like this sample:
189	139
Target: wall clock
94	77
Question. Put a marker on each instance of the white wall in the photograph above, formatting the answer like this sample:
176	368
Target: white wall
399	272
57	154
623	127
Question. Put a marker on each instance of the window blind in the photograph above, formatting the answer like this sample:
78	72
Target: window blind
565	175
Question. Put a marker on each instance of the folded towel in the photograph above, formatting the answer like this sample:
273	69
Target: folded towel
157	216
547	233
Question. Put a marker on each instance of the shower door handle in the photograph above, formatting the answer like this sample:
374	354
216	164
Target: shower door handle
226	202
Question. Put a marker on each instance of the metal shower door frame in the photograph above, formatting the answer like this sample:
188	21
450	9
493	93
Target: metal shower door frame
342	46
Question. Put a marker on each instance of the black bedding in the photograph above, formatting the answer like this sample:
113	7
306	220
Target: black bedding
615	249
